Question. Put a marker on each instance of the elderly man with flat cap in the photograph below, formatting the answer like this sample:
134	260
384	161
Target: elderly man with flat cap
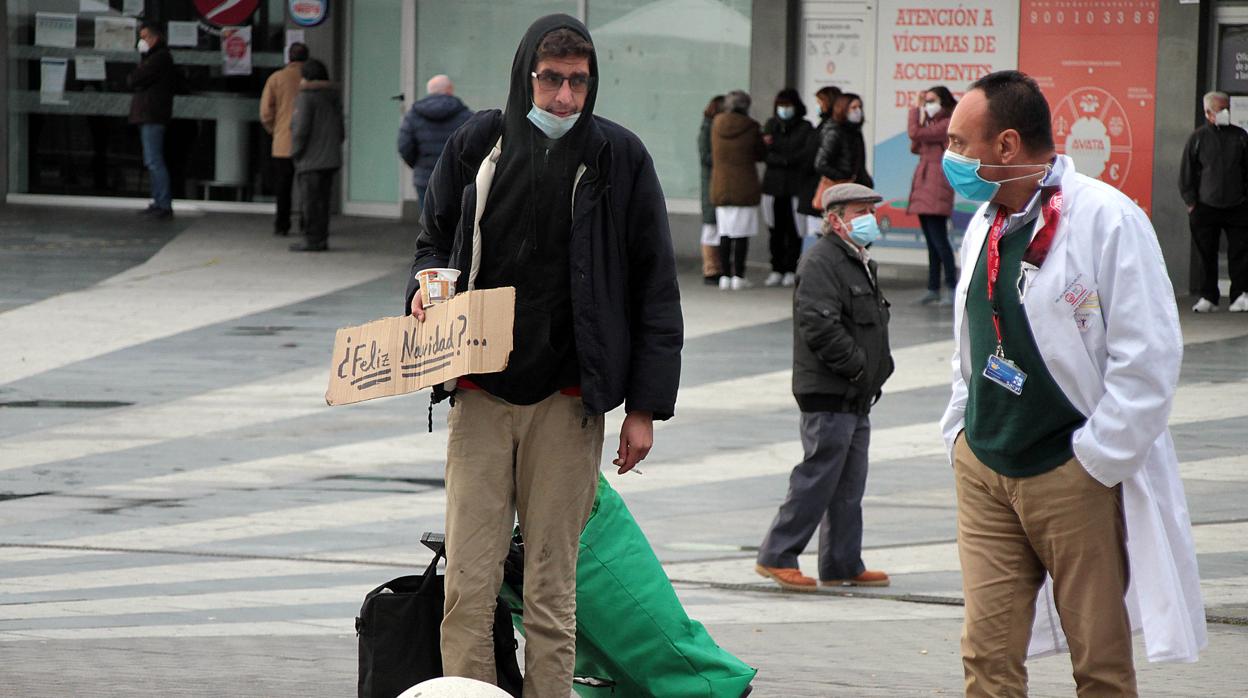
840	362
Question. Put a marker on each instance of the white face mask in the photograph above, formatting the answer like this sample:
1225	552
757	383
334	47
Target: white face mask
855	116
932	109
143	46
1222	118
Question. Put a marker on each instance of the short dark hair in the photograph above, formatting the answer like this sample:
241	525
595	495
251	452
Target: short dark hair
298	52
314	70
1015	101
713	107
564	43
153	28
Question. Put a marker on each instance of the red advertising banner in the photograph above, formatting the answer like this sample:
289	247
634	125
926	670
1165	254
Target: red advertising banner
1097	64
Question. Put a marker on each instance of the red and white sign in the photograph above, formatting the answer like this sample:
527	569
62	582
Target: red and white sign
236	50
224	13
1097	65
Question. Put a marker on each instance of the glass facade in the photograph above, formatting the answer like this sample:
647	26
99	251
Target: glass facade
660	62
77	141
373	164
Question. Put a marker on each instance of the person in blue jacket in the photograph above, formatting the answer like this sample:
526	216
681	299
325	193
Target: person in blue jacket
426	128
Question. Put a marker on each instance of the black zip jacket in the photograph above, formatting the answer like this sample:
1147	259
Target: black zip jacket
790	158
1214	171
841	356
152	81
626	316
842	153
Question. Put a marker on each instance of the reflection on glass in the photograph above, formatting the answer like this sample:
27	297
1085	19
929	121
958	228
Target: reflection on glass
659	63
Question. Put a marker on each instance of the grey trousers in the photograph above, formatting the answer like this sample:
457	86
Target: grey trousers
825	492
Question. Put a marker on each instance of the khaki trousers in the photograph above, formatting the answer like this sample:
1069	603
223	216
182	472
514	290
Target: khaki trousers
1010	532
710	261
540	461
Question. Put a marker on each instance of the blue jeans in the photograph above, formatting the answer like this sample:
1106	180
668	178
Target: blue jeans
939	252
153	137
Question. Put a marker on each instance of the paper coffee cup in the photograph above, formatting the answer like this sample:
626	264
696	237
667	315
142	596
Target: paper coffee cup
436	285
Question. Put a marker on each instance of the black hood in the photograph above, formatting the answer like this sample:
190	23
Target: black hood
520	97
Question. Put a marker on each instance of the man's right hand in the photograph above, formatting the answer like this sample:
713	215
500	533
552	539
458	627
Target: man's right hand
418	312
1191	207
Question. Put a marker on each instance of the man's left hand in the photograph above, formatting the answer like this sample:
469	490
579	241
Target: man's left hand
636	438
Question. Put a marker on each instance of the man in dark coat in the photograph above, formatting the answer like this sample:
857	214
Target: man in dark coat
841	359
574	219
151	108
316	135
426	128
1213	180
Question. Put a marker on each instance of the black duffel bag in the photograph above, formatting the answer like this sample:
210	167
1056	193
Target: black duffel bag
399	627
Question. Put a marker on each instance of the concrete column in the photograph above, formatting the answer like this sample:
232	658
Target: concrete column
4	105
1178	64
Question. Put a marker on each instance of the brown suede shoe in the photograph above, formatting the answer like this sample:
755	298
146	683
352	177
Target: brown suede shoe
790	578
870	578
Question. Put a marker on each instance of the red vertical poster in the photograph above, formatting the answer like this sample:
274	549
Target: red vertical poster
1097	64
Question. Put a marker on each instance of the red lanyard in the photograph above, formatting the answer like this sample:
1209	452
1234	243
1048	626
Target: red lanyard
1037	249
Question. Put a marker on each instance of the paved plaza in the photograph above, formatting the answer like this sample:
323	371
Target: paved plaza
182	514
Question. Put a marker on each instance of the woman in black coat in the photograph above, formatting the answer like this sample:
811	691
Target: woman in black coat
842	155
790	169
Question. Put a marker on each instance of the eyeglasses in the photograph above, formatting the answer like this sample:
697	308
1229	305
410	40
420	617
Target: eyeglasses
552	82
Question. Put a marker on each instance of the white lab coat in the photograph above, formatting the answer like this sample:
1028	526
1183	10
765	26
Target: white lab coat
1103	315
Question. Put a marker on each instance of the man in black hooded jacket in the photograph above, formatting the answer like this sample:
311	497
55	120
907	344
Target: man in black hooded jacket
566	207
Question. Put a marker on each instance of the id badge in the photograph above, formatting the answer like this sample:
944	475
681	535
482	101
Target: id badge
1004	373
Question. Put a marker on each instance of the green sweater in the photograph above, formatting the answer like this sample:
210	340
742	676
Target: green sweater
1015	435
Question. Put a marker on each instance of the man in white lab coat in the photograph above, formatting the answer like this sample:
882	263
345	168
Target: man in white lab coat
1072	524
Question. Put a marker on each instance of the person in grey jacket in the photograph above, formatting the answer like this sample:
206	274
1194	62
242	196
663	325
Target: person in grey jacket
841	360
426	128
316	135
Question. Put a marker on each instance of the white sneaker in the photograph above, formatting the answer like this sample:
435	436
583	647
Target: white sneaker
1240	305
789	279
725	283
1205	306
774	279
740	282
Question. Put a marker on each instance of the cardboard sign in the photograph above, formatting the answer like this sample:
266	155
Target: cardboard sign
471	333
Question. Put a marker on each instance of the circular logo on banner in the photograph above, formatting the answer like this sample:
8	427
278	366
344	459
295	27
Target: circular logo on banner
308	13
226	13
235	46
1091	127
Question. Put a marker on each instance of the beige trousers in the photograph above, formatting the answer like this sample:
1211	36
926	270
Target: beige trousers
540	461
710	261
1010	532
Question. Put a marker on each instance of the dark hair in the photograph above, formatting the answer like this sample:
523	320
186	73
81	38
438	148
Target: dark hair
828	94
947	102
153	28
713	107
298	52
790	96
1016	102
314	70
564	43
840	106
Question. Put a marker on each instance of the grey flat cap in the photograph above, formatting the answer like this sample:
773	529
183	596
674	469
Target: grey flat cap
845	193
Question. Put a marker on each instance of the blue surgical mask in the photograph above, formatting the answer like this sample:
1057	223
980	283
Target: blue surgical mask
864	230
963	175
554	127
786	113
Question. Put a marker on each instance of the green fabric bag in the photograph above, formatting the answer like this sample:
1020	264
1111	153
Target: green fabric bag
630	626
